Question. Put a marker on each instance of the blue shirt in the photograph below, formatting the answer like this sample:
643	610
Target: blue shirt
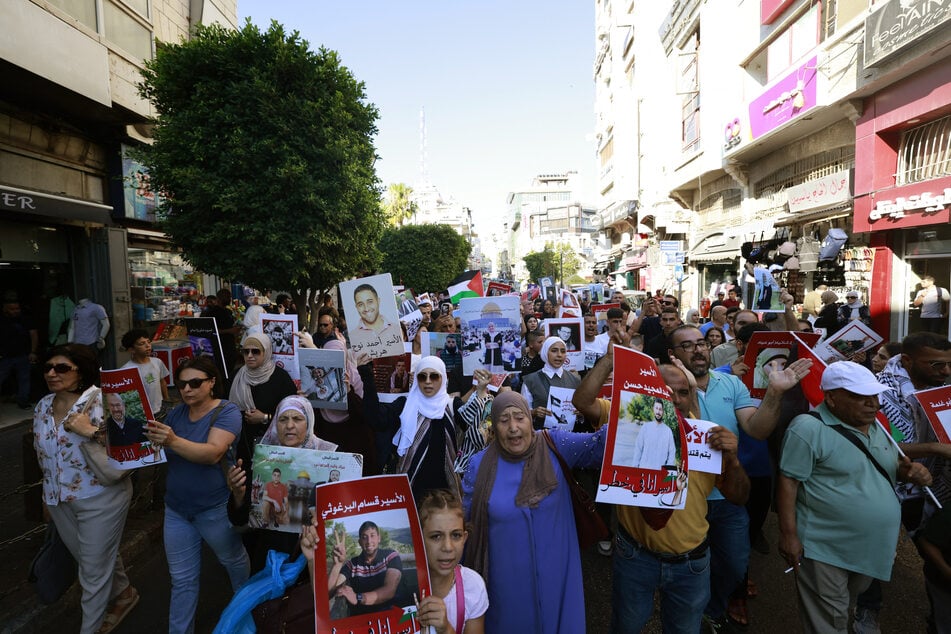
724	395
753	454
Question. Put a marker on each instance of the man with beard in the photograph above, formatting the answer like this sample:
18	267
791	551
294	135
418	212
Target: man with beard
373	328
725	401
654	447
657	347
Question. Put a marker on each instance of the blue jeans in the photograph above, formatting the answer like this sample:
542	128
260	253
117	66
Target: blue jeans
183	537
684	589
729	536
21	366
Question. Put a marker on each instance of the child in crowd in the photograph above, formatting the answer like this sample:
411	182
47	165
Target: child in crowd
444	536
153	372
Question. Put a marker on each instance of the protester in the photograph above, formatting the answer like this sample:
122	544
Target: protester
727	353
89	516
151	369
714	337
829	313
657	347
524	541
838	515
717	319
536	386
197	435
692	317
885	352
934	544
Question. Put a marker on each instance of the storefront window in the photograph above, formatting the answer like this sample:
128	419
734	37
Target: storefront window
164	286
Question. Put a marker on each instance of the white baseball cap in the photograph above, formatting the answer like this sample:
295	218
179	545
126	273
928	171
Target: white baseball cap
853	377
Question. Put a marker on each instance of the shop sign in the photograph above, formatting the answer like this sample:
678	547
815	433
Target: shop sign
786	99
899	23
47	205
923	203
732	134
827	191
671	245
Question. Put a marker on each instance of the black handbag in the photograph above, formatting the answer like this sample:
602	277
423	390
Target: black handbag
290	613
53	569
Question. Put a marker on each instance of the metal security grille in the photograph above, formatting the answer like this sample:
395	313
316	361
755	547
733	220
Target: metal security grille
721	205
807	169
925	152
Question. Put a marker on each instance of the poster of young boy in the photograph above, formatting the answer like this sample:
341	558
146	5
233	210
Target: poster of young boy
570	330
392	376
491	334
768	351
280	330
372	316
936	403
205	342
322	380
368	525
283	481
645	454
126	409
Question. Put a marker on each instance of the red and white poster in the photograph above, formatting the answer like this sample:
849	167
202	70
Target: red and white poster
126	409
375	564
937	405
768	352
497	289
645	456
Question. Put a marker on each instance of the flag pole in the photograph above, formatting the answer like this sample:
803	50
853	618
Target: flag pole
901	453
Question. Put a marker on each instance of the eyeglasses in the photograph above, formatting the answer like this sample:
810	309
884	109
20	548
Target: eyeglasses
422	377
192	383
251	351
58	368
690	346
326	325
667	302
939	365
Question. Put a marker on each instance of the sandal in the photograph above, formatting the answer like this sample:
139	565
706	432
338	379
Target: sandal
737	612
119	608
751	590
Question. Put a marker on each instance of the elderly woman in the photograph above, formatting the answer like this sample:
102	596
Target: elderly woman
197	435
425	422
523	540
88	516
535	386
693	317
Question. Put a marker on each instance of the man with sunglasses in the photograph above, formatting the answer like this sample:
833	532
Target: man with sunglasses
725	401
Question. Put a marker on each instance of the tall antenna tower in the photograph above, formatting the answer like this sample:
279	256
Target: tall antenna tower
423	156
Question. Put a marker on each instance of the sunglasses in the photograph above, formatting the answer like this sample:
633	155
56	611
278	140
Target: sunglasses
667	303
251	351
192	383
422	377
58	368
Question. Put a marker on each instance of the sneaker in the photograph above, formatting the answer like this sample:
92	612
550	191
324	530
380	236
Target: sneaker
605	547
866	621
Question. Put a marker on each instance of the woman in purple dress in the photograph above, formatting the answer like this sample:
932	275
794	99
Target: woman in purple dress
524	542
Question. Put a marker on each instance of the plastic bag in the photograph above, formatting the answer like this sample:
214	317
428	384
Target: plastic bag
269	583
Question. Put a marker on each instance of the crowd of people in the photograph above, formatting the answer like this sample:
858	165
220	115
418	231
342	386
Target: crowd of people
486	471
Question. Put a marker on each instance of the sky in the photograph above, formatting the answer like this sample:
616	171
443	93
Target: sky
506	86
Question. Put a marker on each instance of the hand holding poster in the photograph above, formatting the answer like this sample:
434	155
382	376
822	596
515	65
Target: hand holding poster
364	523
372	316
769	351
127	409
851	339
645	455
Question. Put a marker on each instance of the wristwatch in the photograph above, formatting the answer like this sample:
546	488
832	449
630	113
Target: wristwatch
359	598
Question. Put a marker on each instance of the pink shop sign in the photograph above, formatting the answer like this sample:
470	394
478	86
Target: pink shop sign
785	100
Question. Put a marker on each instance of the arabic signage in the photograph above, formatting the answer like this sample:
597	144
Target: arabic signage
786	99
827	191
899	23
901	207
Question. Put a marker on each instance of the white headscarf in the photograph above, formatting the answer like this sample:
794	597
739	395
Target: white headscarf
302	405
419	405
240	393
549	369
252	319
854	306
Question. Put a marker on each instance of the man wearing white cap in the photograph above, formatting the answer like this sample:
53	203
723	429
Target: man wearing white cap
838	513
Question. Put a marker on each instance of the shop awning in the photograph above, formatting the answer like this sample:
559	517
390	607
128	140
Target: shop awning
41	205
716	247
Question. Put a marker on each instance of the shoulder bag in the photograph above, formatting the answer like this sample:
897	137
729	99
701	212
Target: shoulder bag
591	528
855	441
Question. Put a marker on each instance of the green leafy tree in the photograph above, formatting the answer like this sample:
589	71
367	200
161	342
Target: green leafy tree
554	261
398	205
424	257
264	150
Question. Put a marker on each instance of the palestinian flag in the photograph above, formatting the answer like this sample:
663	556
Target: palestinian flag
469	284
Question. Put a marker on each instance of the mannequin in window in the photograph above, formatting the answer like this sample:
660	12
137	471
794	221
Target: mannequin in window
89	325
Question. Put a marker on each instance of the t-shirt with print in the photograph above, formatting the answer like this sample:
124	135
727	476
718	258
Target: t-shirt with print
153	372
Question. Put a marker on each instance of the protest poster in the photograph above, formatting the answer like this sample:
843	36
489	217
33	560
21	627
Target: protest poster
596	293
126	409
382	509
645	454
497	289
570	330
377	331
547	288
283	481
767	293
280	330
392	376
851	339
569	306
322	377
406	302
768	351
562	413
448	347
703	457
203	337
491	334
412	322
600	312
936	404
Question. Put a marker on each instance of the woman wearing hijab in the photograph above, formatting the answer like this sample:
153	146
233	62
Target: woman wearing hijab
523	540
425	422
828	316
853	310
535	386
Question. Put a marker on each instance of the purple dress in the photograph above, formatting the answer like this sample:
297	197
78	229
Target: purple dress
534	579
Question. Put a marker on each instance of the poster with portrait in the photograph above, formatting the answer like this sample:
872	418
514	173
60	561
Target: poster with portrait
569	305
448	347
852	338
600	312
372	316
202	333
283	480
936	403
392	376
322	377
125	411
563	413
497	289
768	351
406	302
645	455
571	331
412	322
491	333
547	288
373	519
596	293
280	330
